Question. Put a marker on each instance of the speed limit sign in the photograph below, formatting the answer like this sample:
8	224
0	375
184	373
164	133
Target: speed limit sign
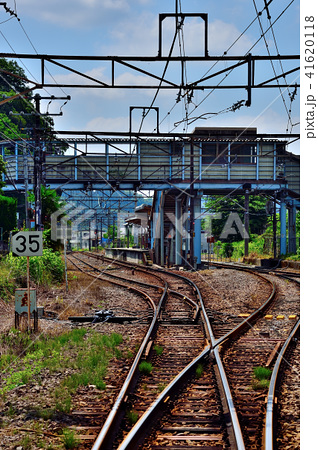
27	243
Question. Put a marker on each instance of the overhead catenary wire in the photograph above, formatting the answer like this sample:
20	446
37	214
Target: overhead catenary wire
248	51
147	109
33	47
268	52
158	92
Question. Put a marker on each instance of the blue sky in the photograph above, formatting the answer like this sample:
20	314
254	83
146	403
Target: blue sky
126	27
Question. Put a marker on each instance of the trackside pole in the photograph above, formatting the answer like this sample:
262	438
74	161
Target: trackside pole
65	265
29	298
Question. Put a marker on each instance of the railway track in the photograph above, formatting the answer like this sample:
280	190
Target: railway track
191	410
181	336
268	328
282	426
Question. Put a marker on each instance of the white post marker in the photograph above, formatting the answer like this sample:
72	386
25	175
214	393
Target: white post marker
27	243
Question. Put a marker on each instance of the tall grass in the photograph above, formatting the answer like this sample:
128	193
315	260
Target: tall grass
86	353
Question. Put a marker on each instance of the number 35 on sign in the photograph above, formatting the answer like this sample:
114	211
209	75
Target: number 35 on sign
27	243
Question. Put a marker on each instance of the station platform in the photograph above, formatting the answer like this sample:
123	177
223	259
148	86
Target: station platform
133	255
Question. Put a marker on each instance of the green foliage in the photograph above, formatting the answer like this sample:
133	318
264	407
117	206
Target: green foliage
235	203
261	378
199	371
8	213
88	367
228	249
70	440
158	349
32	366
161	387
262	373
26	442
7	286
15	125
45	269
132	417
51	202
145	367
63	400
6	80
7	125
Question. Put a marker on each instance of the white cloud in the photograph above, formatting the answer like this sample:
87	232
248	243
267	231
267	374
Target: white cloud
140	37
107	124
74	13
101	73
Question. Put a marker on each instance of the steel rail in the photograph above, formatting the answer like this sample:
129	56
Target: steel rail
153	411
145	422
269	422
109	426
228	396
246	322
127	264
111	423
195	306
252	317
141	283
106	274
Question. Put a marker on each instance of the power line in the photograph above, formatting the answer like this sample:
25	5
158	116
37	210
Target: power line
228	73
268	51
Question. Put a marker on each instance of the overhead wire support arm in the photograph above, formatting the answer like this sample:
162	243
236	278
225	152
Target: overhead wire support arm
203	16
250	60
163	83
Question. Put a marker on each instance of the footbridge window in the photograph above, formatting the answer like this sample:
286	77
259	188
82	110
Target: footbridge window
214	153
243	153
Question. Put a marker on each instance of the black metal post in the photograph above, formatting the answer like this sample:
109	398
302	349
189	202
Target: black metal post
275	228
37	166
246	222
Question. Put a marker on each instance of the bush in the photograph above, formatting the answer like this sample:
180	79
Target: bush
45	269
6	285
158	349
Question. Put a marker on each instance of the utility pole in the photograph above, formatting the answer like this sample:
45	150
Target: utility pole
192	232
39	159
26	187
37	166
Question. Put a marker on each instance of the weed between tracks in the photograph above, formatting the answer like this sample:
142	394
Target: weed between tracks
145	367
261	378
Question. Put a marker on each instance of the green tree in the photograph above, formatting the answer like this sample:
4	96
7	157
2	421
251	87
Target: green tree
18	116
2	171
8	215
51	202
12	75
221	207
